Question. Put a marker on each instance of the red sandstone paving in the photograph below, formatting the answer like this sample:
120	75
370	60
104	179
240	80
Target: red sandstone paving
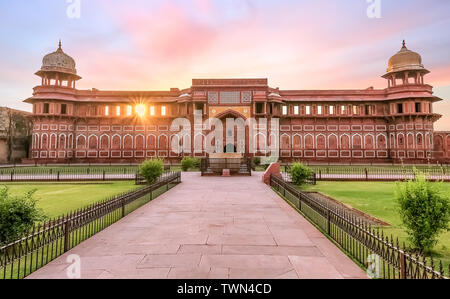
210	227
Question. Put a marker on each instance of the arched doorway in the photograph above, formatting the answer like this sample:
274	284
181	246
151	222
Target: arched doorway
235	139
230	149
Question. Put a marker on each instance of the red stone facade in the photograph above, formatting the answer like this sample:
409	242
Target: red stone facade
361	126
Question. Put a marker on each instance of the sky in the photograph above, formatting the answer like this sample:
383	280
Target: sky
160	44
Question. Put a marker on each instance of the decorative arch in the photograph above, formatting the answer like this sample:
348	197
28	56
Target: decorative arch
273	141
410	139
260	143
428	140
128	142
393	141
116	142
93	142
162	142
381	141
53	141
70	141
333	142
401	141
419	140
104	142
230	112
81	142
62	141
139	142
309	141
321	142
151	142
297	142
36	141
285	142
369	142
44	141
345	142
357	142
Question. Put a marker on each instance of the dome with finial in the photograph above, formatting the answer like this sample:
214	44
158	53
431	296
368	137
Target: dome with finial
58	61
405	60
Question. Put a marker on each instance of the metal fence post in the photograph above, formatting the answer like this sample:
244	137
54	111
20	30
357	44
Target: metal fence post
104	175
367	174
57	176
402	257
328	222
66	235
123	207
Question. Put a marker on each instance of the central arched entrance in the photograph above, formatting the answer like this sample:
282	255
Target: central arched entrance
230	148
235	139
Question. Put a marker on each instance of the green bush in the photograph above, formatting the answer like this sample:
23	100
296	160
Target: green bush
256	161
424	211
300	173
151	170
17	215
197	162
189	163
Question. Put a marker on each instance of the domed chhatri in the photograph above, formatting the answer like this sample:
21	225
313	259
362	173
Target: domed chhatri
404	65
405	60
59	66
59	61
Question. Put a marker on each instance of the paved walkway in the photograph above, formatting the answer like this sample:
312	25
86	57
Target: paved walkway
210	227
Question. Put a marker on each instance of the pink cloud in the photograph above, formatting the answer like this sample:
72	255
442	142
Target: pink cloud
288	44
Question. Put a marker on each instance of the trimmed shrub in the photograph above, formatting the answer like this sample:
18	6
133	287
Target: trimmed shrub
424	211
151	170
17	215
257	161
300	173
189	163
197	163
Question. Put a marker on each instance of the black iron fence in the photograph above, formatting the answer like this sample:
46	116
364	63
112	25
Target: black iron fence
47	241
387	174
380	254
378	174
70	173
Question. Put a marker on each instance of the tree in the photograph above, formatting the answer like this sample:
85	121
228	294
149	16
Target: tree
424	211
151	170
18	214
300	173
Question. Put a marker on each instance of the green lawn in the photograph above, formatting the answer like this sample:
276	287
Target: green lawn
57	199
377	199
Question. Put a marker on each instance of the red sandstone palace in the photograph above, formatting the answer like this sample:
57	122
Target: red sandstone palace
361	126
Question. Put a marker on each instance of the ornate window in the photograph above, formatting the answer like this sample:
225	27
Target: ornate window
230	97
213	97
246	97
